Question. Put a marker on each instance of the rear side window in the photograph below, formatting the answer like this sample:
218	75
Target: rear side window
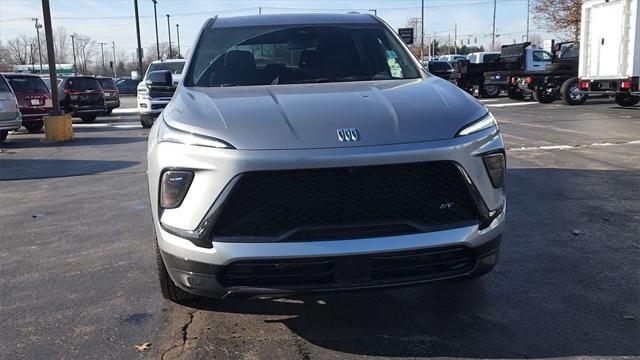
3	85
107	83
472	58
490	57
28	84
83	84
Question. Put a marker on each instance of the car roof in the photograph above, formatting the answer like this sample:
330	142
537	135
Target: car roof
168	61
293	19
19	74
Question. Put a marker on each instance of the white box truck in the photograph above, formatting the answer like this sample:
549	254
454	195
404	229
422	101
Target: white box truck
610	51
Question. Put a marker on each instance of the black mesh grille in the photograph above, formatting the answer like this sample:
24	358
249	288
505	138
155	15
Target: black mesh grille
350	271
340	203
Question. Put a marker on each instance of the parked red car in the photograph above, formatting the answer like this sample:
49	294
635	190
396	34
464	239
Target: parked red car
34	99
111	93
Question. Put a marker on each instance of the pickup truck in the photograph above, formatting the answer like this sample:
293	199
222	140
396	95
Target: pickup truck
557	79
490	77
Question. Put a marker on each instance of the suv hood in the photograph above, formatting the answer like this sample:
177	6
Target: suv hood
308	115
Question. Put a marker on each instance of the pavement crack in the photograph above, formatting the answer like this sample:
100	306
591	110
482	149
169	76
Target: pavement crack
184	330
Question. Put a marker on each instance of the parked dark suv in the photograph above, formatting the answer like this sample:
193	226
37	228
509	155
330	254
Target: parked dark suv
111	93
82	96
34	99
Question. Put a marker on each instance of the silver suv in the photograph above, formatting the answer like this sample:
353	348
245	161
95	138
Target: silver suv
10	117
308	153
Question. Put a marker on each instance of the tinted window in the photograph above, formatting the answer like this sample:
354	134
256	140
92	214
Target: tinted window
3	85
107	83
440	66
473	58
174	67
83	84
27	84
268	55
490	57
541	56
570	51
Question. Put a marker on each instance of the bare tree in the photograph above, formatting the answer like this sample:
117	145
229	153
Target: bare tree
536	39
559	16
61	45
19	50
86	50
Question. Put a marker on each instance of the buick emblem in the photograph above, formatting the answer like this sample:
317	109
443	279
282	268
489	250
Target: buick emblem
348	134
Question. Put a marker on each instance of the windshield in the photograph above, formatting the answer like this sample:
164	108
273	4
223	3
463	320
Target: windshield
28	84
174	67
293	55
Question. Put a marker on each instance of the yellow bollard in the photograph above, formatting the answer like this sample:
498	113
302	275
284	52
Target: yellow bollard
58	128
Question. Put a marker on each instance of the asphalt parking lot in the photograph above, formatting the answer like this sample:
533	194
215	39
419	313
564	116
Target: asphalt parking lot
77	275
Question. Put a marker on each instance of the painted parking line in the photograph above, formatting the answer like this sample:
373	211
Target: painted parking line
125	110
567	147
489	100
512	104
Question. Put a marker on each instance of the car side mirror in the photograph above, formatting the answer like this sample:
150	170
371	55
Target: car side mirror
159	78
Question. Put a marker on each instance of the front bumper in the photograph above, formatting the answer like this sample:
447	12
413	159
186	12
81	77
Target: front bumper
12	124
215	169
112	104
152	106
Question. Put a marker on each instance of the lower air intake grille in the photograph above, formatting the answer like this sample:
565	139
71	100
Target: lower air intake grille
344	203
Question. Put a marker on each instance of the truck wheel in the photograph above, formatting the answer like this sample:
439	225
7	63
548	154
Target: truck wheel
542	96
3	135
34	126
627	100
146	121
489	91
168	288
570	91
88	118
515	94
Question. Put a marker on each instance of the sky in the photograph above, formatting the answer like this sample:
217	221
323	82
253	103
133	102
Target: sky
113	20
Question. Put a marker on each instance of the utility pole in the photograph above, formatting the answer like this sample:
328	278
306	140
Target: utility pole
493	39
102	50
38	27
374	11
155	16
115	73
422	35
178	31
169	30
455	38
73	50
48	32
260	10
528	9
139	49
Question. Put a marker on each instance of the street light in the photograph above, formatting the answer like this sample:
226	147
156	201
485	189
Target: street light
178	31
73	49
374	11
155	16
169	30
139	48
38	27
102	50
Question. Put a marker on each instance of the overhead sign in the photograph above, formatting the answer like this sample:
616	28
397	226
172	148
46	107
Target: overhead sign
406	34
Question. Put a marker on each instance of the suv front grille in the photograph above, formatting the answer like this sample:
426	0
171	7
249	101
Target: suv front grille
344	203
350	271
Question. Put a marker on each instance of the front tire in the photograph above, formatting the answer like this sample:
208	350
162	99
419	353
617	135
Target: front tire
146	121
168	288
35	126
108	112
88	118
627	100
489	91
515	94
570	91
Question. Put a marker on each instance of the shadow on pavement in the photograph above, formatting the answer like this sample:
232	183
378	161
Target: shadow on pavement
16	142
22	169
554	293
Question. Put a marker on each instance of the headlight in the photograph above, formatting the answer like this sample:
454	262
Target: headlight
168	134
483	123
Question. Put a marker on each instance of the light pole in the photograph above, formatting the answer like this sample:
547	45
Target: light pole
528	7
102	50
48	31
493	38
139	49
73	49
38	27
115	73
374	11
169	30
422	35
178	31
155	16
